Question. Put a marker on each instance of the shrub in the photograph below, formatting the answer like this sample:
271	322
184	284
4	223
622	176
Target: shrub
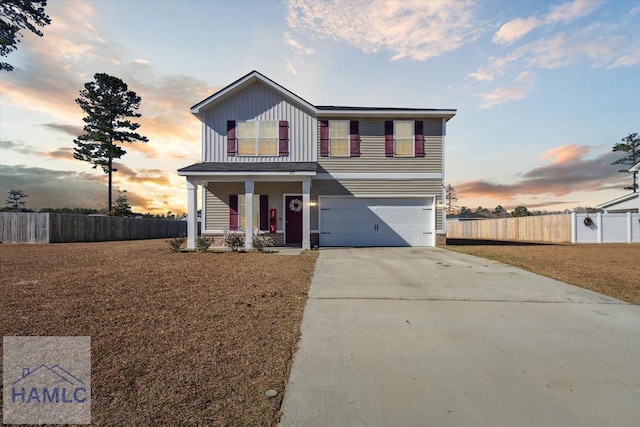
203	243
261	241
234	240
176	243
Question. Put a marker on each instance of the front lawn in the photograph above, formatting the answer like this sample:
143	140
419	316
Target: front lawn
610	269
177	338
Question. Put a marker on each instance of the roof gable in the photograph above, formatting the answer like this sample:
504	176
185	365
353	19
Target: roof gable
321	110
242	83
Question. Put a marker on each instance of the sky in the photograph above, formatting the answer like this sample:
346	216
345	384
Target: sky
543	89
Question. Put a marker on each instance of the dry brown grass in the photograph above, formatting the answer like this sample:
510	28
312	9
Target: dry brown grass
610	269
177	338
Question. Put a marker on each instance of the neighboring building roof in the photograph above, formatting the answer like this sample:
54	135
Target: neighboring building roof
255	76
635	168
214	167
624	202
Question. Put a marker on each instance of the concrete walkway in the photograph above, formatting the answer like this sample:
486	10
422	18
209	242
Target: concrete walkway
429	337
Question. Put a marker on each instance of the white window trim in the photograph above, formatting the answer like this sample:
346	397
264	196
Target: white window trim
257	142
348	139
413	139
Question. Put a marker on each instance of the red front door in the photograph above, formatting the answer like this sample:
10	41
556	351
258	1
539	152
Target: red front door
293	218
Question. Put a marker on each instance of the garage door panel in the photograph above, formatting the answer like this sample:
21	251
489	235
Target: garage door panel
376	222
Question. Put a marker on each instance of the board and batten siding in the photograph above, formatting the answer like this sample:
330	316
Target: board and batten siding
372	151
217	200
259	102
367	188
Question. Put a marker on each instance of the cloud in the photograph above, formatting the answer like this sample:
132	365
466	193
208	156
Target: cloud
417	30
566	153
71	51
60	188
568	172
514	30
568	12
63	153
296	45
599	44
52	188
70	130
627	60
523	83
142	176
19	147
501	95
481	76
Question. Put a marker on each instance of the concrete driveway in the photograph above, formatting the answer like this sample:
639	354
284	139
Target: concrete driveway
429	337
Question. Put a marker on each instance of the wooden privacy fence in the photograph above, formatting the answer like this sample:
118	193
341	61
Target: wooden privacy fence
563	228
25	227
544	228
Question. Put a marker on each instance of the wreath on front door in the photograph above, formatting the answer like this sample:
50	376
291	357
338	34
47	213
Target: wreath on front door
295	205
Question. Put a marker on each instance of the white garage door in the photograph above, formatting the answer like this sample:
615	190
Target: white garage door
348	221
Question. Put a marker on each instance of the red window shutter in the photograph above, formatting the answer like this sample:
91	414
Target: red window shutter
231	137
324	138
264	212
354	138
388	138
283	140
419	138
233	212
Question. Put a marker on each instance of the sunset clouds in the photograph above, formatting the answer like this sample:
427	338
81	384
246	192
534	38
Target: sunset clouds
570	170
547	42
54	69
543	89
406	29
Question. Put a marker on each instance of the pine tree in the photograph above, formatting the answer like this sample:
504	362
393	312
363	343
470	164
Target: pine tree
109	104
630	145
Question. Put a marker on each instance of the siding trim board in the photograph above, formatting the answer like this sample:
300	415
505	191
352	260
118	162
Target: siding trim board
376	176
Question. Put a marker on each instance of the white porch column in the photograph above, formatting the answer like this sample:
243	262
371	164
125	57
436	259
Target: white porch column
248	213
192	214
306	216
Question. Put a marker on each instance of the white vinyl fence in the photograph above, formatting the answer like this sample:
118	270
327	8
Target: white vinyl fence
606	228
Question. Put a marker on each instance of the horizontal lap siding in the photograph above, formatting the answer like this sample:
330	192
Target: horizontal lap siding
217	200
217	204
362	188
259	102
372	155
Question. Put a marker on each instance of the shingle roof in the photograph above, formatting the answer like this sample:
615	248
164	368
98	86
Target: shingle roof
251	167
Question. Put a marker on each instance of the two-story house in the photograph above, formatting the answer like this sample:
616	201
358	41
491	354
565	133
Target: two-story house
316	175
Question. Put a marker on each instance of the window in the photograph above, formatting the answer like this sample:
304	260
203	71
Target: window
403	138
241	211
257	138
339	137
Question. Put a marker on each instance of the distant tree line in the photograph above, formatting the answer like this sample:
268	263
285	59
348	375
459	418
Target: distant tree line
15	203
519	211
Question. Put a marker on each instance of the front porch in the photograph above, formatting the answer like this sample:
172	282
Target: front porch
251	198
